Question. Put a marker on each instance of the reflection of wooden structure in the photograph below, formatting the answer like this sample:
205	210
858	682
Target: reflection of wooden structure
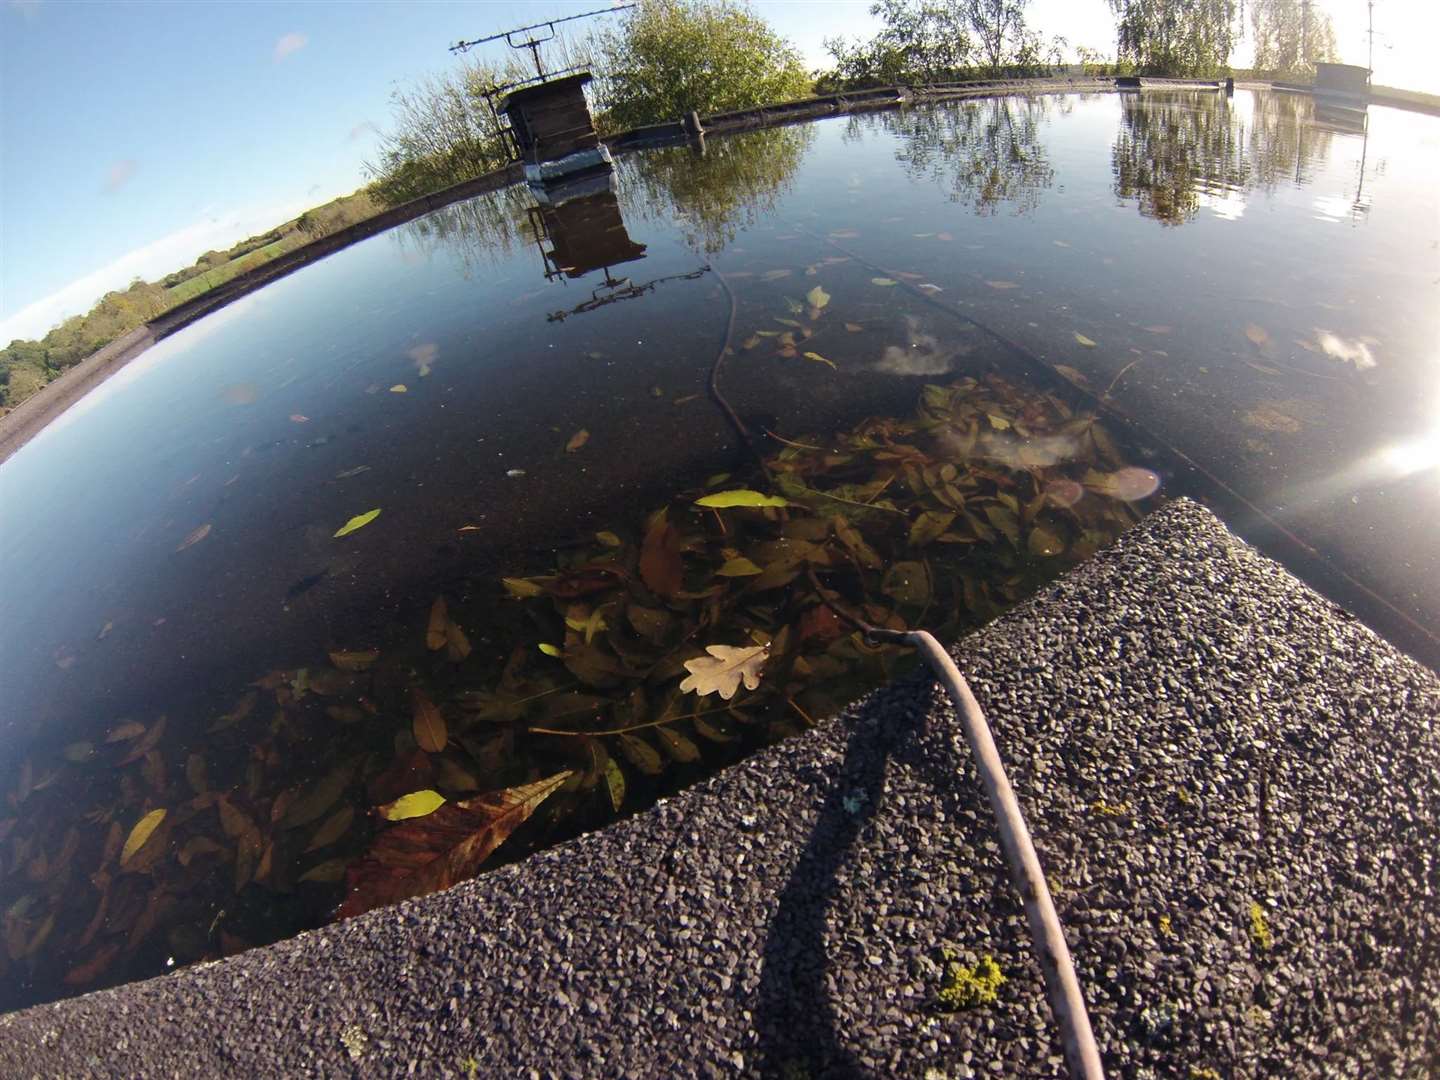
552	128
584	233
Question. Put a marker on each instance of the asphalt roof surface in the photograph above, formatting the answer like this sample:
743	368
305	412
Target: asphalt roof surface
1234	787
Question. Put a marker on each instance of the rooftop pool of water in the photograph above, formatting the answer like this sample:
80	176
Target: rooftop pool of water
454	510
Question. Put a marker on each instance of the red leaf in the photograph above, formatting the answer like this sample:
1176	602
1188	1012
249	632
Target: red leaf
820	624
433	852
660	566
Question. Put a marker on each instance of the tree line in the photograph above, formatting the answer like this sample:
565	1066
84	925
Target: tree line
665	58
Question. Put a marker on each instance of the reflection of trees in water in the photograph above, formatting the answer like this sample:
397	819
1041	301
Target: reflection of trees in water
989	153
1172	149
738	179
478	232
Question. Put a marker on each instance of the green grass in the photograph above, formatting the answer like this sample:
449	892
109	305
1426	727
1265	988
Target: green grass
203	283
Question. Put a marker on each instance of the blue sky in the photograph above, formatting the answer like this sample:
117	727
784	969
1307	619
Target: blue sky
135	136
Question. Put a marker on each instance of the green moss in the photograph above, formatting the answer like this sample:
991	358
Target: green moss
1260	935
969	987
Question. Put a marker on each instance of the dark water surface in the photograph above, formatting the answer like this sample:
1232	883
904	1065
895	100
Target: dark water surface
1253	281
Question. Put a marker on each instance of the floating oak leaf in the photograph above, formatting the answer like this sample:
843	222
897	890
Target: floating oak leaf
442	848
722	671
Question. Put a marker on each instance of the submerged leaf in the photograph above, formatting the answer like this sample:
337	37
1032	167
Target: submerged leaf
359	521
435	627
614	784
722	500
550	650
1083	340
676	745
739	567
442	848
195	537
722	671
355	661
821	360
521	588
416	804
817	297
579	439
141	832
427	723
642	755
660	565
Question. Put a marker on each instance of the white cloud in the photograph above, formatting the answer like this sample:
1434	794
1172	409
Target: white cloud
289	43
119	174
160	257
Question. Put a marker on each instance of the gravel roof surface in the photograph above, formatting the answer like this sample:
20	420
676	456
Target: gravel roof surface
1234	787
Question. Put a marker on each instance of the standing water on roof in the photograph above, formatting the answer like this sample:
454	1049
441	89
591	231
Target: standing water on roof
442	544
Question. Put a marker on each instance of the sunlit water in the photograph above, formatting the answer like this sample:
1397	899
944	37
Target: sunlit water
1251	283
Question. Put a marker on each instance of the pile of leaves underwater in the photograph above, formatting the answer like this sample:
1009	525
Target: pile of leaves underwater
647	657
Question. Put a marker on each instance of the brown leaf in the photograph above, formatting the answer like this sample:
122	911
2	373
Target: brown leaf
126	731
660	565
92	969
676	745
195	537
145	745
440	849
642	755
435	631
457	645
409	773
579	439
355	661
336	825
427	723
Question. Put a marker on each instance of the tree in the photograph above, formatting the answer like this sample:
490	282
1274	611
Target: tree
1290	36
923	41
443	133
1000	31
1176	37
670	57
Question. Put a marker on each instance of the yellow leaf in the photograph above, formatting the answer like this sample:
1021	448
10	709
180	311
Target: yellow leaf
1083	340
359	521
817	297
427	723
614	783
399	388
355	661
579	439
722	500
1070	374
549	650
821	360
739	567
435	628
883	281
750	342
999	423
195	537
143	830
416	804
609	539
722	671
523	589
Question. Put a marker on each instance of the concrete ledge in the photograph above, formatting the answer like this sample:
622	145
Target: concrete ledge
1234	787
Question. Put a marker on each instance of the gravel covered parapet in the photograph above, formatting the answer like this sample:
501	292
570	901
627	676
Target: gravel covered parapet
1234	788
